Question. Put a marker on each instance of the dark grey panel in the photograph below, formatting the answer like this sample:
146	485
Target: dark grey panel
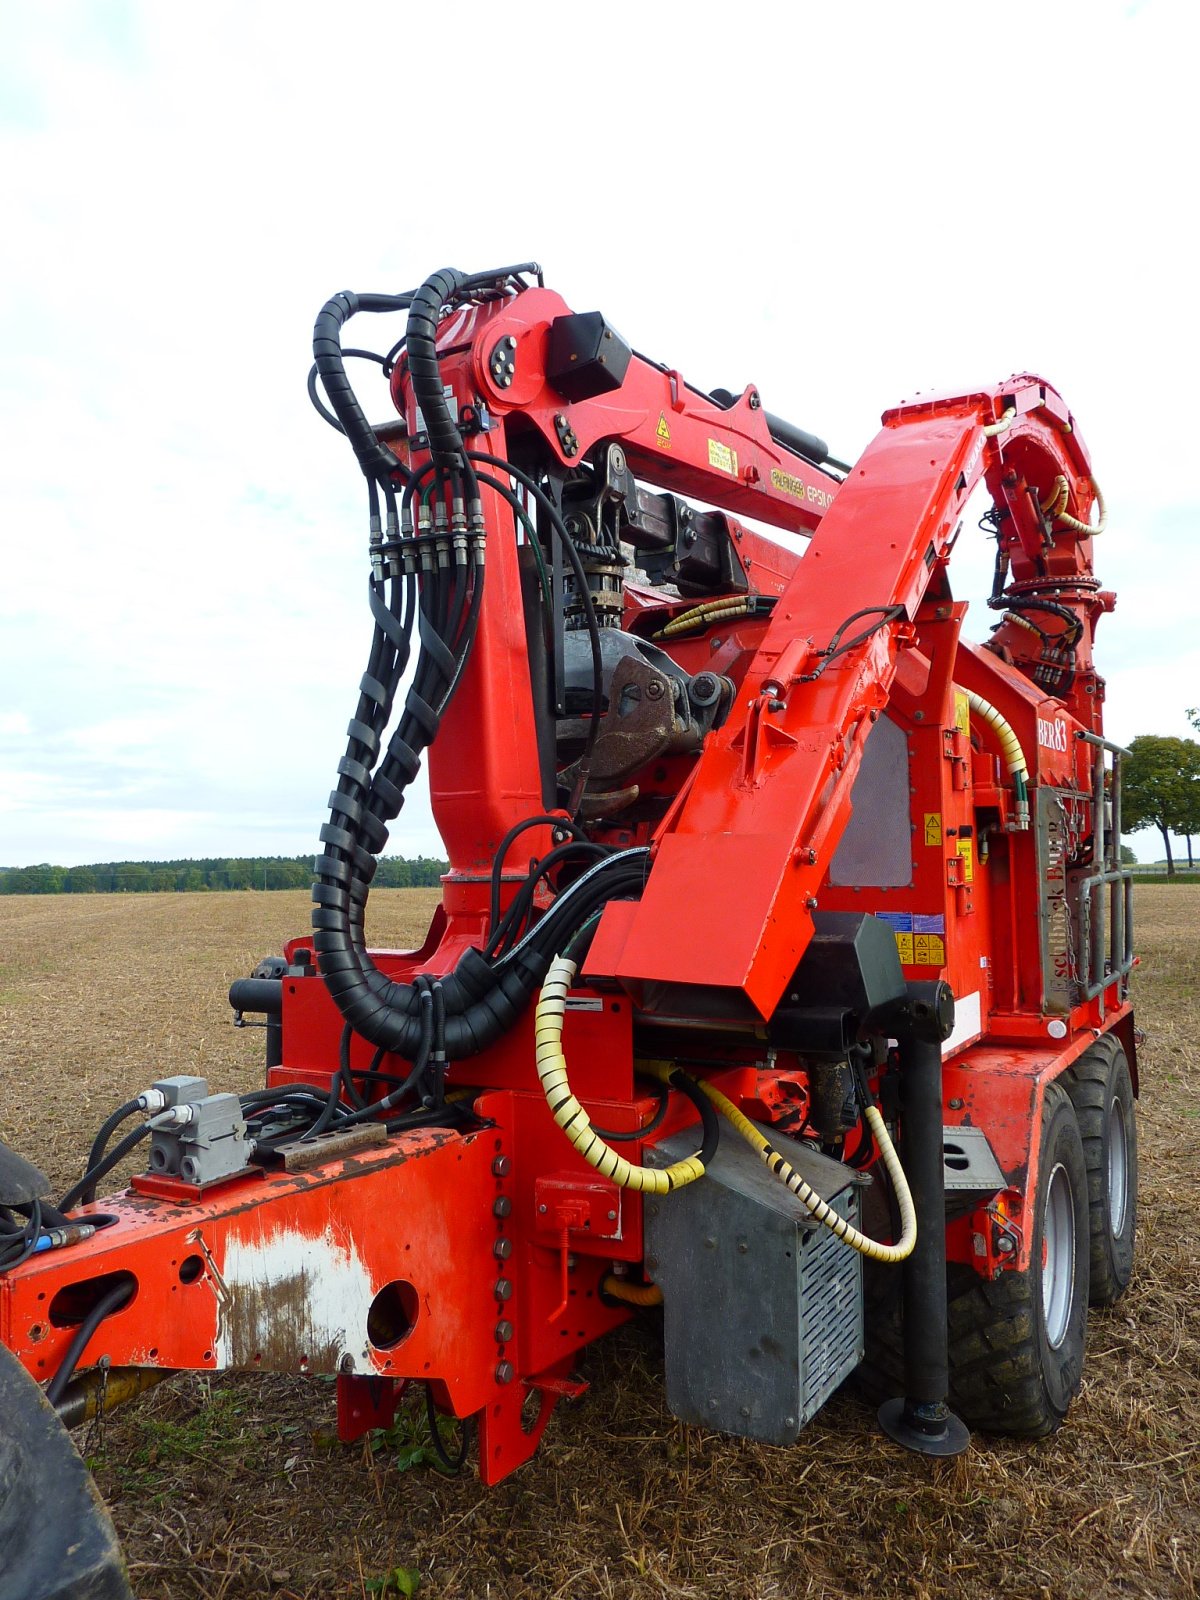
876	848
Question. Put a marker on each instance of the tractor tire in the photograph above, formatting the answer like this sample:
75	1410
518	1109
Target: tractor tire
1015	1342
1101	1091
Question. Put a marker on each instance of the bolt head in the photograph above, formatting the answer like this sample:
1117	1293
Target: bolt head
502	1207
504	1331
501	1166
505	1372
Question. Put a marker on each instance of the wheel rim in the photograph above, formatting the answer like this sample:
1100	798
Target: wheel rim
1118	1167
1058	1270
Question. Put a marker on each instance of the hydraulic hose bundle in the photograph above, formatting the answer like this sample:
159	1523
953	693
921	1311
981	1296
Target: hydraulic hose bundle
428	574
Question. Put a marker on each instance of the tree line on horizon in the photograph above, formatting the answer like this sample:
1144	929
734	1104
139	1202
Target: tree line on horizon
192	875
1160	788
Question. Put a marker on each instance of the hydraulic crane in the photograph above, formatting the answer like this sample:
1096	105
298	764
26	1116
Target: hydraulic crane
780	974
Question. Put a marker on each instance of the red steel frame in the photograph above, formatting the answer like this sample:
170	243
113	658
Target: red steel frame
483	1253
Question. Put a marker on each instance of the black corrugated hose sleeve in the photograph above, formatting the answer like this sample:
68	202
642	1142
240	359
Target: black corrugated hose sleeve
445	441
375	459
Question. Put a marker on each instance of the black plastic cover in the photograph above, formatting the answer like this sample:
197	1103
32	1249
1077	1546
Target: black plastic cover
587	357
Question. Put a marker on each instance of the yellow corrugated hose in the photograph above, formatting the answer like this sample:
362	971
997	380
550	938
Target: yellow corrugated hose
574	1121
804	1192
570	1115
1011	746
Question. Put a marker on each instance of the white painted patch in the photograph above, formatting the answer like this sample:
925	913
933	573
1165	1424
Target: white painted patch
336	1285
968	1022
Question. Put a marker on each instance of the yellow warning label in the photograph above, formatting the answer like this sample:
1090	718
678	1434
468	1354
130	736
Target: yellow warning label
933	827
663	433
722	457
966	851
929	950
962	712
904	945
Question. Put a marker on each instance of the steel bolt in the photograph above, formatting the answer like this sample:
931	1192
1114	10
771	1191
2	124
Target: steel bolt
654	689
502	1206
501	1166
346	1364
504	1289
612	1216
505	1372
504	1331
502	1249
789	1422
511	342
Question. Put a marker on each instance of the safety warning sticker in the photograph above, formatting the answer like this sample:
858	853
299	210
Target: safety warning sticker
663	432
933	827
920	937
966	851
722	457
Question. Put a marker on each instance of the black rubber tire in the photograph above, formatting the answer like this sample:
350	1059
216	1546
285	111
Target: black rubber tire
1097	1083
1005	1376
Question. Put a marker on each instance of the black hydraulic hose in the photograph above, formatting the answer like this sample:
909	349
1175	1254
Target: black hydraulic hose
22	1241
109	1302
542	820
331	1104
508	929
657	1118
585	593
710	1126
108	1128
450	1463
84	1192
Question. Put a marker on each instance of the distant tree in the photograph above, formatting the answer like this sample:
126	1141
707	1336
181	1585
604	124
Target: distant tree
1193	715
131	877
42	879
80	880
162	880
1188	821
240	874
1128	856
193	879
1159	780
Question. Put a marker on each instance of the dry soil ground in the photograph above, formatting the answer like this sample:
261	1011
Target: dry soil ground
228	1487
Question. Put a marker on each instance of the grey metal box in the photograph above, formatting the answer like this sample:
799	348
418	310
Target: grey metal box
763	1307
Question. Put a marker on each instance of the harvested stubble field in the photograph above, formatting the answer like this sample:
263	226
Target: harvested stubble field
228	1487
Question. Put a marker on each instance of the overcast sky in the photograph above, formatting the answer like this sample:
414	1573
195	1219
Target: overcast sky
843	204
